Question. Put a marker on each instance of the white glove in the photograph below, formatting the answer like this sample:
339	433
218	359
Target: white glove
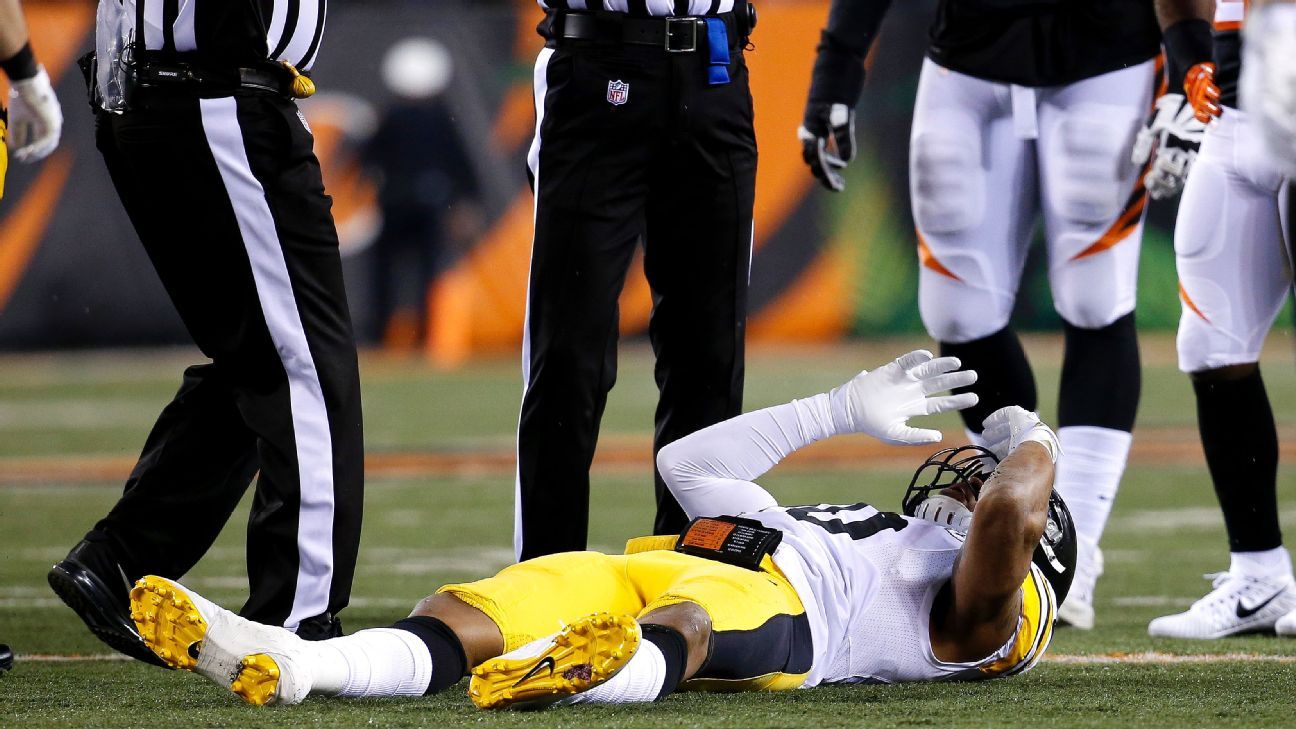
1175	134
35	119
1267	89
880	403
1009	427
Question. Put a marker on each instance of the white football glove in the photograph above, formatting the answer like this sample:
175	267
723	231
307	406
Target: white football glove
1009	427
35	119
880	403
1174	133
828	142
1267	89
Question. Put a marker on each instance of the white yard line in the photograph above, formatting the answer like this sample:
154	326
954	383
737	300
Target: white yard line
1153	658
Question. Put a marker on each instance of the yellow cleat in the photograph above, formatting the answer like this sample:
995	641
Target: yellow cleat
261	664
173	629
582	656
258	680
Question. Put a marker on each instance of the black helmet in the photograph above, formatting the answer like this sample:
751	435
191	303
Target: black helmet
1055	555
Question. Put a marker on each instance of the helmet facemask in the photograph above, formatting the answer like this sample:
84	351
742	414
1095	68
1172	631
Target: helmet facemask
970	465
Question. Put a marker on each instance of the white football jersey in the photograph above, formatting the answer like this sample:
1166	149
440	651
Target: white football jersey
868	578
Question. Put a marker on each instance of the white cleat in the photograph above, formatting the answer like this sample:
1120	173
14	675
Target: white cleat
1286	625
262	664
1077	610
1237	604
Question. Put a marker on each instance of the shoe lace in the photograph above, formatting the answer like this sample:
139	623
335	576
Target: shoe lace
1226	589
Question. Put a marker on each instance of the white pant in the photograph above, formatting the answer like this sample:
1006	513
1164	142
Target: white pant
986	159
1230	248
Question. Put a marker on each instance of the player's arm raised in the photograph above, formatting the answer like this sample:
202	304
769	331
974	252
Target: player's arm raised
828	133
711	472
1007	524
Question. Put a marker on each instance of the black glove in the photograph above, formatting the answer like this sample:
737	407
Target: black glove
827	133
828	142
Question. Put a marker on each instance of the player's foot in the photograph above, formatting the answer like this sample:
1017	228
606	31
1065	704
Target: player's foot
1077	610
583	655
1237	604
1286	625
91	582
262	664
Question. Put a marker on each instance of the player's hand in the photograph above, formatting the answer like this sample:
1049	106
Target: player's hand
1174	133
1267	89
880	403
1009	427
35	119
1203	93
828	142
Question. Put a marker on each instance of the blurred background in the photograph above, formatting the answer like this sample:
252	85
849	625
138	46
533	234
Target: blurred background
422	123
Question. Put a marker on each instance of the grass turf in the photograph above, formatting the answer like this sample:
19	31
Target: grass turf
422	531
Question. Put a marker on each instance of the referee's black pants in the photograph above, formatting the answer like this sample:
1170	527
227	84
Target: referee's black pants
227	198
674	164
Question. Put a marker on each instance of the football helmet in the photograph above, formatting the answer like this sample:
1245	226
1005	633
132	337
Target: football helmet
1055	555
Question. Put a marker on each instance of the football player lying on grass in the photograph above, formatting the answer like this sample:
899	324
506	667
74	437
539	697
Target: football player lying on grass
753	595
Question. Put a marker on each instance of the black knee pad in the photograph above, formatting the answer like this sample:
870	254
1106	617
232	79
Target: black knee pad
1101	377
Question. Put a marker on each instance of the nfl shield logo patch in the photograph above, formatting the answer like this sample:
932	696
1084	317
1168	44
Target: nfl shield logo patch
618	92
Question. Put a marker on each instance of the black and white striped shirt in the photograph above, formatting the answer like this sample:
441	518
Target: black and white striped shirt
234	31
644	7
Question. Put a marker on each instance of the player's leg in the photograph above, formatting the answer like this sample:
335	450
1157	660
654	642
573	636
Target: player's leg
698	262
1234	276
973	187
1094	202
587	162
461	626
703	625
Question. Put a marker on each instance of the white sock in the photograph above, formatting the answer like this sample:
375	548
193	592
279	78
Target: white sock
1089	473
1271	564
374	662
640	680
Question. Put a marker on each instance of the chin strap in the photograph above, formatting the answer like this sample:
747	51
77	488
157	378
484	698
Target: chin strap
945	511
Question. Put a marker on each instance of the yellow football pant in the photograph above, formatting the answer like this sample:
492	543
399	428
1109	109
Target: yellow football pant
760	635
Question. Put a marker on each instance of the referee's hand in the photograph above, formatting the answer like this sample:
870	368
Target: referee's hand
828	142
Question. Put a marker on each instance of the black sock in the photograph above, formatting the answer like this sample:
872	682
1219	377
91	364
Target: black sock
1241	444
1101	380
674	649
449	664
1004	376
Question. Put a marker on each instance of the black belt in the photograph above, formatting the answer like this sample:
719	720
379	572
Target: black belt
200	80
674	35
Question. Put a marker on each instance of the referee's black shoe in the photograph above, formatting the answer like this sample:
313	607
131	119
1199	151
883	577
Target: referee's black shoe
94	585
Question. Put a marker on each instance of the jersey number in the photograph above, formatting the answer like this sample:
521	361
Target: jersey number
862	529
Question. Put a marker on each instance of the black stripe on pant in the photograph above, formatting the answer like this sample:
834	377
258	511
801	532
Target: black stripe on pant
675	165
227	198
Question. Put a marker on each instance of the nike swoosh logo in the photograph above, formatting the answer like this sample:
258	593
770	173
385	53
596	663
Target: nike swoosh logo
546	662
1246	612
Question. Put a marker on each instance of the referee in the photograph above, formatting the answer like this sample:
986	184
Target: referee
643	131
214	164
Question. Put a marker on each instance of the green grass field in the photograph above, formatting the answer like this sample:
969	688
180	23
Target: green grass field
69	425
